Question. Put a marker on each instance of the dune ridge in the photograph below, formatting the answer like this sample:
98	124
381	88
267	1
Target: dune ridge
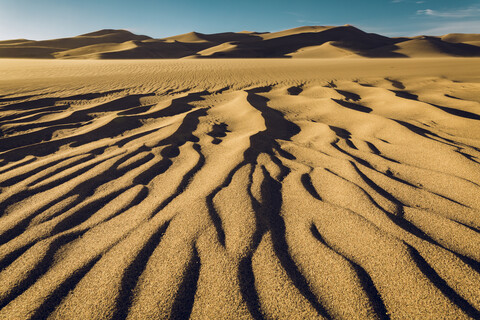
299	189
302	42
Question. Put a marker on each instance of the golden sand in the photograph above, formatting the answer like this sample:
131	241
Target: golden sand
240	189
302	42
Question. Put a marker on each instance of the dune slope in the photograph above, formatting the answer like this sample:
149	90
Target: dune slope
245	189
301	42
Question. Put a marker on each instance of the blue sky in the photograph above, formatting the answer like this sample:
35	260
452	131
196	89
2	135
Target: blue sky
47	19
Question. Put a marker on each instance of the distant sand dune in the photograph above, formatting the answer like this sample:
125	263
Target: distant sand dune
240	189
301	42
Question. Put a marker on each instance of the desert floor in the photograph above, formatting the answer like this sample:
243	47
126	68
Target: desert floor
239	189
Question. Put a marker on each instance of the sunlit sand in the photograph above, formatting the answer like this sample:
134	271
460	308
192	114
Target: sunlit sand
232	189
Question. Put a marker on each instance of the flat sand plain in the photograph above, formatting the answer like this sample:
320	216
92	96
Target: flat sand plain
240	189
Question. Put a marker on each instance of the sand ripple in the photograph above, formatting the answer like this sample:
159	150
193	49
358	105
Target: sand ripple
336	199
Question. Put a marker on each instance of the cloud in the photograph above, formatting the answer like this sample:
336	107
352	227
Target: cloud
473	11
452	27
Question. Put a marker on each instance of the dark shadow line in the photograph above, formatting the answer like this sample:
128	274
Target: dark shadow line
271	193
49	305
452	111
353	106
28	174
365	279
83	214
214	216
63	168
185	180
134	271
395	83
349	95
247	287
24	163
40	268
183	304
307	184
441	284
246	276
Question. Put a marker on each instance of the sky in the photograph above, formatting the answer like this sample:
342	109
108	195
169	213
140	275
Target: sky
48	19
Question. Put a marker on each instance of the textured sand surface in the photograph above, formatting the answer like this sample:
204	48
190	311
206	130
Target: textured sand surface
240	189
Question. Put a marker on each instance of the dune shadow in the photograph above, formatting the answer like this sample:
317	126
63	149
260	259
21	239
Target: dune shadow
133	272
353	106
442	285
185	297
349	95
365	280
452	111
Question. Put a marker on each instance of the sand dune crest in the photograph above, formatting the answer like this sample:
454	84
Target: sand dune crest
301	42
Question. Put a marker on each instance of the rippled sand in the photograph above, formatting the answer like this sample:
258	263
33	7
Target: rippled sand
232	189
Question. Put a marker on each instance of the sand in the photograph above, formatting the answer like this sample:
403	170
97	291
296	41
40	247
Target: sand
308	42
240	189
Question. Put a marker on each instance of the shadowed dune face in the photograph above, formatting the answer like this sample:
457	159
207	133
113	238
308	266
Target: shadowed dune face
161	190
302	42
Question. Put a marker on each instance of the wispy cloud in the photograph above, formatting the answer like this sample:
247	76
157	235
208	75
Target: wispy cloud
452	27
473	11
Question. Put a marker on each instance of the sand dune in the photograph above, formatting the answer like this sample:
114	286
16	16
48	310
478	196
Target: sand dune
240	189
461	37
325	50
54	48
428	47
301	42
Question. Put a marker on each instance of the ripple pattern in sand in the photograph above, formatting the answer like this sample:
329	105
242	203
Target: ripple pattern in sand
341	200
